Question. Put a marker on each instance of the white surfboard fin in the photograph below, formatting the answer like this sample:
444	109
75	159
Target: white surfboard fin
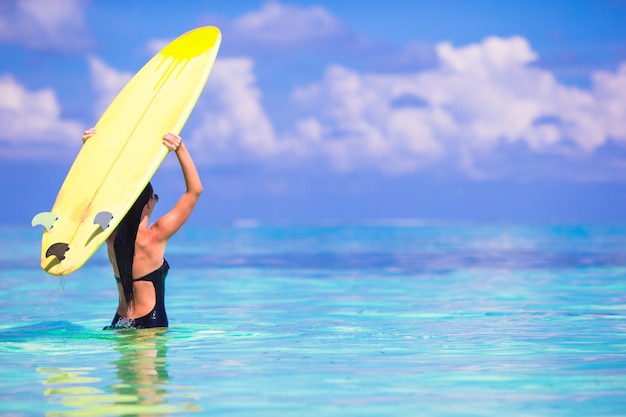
45	219
103	219
58	250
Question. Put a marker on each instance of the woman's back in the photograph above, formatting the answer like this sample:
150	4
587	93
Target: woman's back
136	249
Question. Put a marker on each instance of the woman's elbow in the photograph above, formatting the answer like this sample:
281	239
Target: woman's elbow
195	192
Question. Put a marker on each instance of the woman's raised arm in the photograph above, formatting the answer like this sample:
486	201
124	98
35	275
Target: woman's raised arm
175	218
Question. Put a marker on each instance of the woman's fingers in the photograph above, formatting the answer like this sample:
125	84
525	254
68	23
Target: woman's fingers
88	133
172	141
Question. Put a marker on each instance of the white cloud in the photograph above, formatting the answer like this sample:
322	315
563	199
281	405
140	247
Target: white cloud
44	24
496	95
281	24
107	82
289	33
232	122
357	124
610	92
31	121
493	55
480	98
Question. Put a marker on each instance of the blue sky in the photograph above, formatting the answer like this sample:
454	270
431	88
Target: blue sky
352	110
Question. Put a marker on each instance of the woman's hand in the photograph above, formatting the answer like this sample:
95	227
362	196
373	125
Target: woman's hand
88	133
172	142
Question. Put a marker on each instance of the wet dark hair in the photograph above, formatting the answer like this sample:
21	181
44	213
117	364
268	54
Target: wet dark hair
124	244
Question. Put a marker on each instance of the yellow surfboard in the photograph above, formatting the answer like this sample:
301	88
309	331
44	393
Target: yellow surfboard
114	166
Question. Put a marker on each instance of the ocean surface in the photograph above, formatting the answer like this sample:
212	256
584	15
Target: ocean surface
400	318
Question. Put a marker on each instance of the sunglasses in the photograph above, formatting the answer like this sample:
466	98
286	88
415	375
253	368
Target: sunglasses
155	197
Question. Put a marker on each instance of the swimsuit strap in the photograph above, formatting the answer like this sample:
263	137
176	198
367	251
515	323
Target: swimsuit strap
165	267
157	273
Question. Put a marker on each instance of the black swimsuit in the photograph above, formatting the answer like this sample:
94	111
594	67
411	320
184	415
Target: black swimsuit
157	317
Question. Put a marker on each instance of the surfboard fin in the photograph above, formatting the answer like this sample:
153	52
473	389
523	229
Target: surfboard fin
103	219
45	219
58	250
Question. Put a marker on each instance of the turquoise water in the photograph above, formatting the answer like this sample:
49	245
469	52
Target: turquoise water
396	319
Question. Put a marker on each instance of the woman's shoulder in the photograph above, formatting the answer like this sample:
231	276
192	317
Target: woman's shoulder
151	236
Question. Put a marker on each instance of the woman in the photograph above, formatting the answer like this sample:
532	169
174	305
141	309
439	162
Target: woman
136	249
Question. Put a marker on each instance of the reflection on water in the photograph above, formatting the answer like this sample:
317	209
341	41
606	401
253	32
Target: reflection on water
142	366
141	386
